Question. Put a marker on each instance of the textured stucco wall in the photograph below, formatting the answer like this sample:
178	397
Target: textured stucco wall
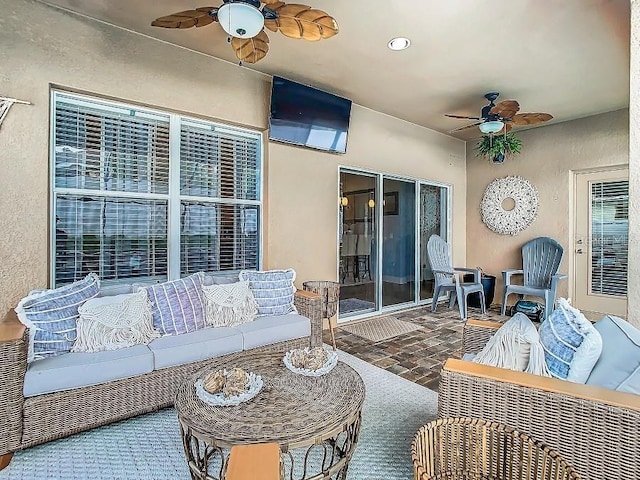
42	46
549	154
633	312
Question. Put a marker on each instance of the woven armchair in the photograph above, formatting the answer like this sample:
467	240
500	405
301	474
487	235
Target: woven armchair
473	449
596	429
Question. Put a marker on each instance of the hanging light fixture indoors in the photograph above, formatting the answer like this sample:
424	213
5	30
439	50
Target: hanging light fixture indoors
241	20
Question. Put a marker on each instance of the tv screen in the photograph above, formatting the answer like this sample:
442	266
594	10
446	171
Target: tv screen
305	116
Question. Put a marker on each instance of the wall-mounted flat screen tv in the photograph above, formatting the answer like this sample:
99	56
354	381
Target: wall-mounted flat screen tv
302	115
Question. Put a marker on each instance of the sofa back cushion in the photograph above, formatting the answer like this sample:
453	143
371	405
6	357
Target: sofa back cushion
618	367
178	305
113	322
273	290
571	344
51	315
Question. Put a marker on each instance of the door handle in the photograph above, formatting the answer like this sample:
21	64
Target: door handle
579	250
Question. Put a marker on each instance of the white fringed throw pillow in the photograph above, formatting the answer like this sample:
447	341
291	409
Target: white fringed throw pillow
516	346
229	304
109	323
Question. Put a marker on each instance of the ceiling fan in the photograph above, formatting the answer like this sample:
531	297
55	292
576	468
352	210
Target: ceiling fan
244	22
501	116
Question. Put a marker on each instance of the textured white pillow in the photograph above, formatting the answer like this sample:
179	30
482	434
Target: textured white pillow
229	304
516	346
118	321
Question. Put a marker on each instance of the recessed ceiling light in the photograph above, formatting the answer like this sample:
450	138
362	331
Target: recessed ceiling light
399	43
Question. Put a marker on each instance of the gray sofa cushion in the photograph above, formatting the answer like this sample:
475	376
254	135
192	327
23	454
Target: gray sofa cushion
618	367
202	344
111	290
268	330
74	370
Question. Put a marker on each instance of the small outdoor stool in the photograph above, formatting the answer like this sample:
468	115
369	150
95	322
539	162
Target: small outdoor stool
330	294
468	448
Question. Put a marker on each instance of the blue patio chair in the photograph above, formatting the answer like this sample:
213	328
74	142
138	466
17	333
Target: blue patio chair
541	259
447	279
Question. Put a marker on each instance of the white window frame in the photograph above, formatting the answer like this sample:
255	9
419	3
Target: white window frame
174	196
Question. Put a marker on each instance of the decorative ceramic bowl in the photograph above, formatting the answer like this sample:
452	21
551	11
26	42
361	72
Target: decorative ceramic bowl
332	361
254	385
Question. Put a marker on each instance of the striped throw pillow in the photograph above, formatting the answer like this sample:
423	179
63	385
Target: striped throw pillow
571	344
178	306
273	290
51	315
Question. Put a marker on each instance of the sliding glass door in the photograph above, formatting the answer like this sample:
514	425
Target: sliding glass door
433	221
400	215
357	234
398	242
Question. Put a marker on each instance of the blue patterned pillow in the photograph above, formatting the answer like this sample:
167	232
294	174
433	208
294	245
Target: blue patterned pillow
571	344
178	306
50	316
273	290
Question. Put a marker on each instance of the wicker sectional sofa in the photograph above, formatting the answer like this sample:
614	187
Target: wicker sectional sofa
596	429
27	420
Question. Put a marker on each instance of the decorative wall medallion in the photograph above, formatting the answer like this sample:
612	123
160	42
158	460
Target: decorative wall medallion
509	205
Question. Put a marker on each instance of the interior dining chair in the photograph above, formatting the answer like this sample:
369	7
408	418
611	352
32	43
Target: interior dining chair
447	277
541	259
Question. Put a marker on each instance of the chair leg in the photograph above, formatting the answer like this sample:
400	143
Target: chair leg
452	299
462	303
434	300
548	305
505	294
5	460
483	306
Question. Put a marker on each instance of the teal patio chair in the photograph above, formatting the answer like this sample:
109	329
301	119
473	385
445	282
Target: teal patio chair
447	277
541	259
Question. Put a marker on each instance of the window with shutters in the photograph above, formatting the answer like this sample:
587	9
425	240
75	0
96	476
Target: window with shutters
142	195
609	237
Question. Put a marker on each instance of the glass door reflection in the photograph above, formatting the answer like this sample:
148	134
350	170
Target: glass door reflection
357	272
433	220
398	244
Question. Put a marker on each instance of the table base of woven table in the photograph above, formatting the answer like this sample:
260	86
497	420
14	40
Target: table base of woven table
315	420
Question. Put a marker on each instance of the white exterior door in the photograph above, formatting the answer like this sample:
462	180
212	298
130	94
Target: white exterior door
600	256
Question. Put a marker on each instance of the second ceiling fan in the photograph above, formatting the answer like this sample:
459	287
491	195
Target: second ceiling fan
500	117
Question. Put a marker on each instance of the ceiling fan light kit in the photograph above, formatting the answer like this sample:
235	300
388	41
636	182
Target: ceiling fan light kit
491	127
241	20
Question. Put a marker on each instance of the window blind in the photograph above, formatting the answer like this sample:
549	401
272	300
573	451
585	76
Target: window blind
609	237
113	190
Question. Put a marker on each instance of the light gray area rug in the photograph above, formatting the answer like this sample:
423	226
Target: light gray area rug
380	328
149	447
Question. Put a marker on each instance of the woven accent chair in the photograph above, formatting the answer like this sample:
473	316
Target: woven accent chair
447	277
596	429
472	449
541	258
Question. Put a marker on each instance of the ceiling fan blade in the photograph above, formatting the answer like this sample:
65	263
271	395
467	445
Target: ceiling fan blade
465	127
462	116
251	50
505	108
302	21
530	118
189	18
271	2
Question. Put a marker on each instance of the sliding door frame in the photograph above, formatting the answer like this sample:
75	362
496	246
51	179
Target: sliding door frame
380	177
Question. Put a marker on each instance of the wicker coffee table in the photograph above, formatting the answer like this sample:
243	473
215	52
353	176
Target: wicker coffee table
315	420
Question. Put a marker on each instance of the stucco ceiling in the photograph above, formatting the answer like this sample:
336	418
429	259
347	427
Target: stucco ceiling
569	58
